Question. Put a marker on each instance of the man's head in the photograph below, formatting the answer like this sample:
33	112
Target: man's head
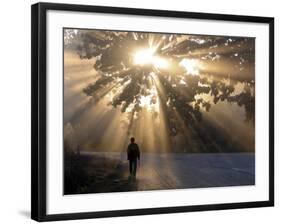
132	140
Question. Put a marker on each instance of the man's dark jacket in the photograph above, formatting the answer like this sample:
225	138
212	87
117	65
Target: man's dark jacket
133	151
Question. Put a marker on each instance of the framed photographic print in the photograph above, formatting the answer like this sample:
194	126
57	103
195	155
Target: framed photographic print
139	111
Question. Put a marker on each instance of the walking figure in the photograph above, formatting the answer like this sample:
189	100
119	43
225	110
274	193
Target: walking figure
133	154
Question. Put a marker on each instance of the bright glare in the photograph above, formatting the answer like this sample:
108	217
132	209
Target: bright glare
150	101
159	62
145	101
191	66
146	57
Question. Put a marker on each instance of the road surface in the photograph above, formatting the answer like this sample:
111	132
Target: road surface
177	171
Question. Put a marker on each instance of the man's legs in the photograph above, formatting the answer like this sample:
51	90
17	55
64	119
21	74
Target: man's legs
131	166
135	167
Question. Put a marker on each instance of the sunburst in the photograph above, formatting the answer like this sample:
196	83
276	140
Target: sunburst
176	76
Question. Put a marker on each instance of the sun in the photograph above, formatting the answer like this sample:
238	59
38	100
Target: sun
144	56
148	57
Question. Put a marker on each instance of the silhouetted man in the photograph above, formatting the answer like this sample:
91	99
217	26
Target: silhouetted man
133	153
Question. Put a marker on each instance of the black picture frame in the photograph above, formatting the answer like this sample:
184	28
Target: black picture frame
39	107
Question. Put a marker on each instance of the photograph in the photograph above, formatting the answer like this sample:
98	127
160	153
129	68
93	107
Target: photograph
147	111
121	111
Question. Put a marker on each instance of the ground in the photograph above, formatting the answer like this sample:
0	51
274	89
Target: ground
108	172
